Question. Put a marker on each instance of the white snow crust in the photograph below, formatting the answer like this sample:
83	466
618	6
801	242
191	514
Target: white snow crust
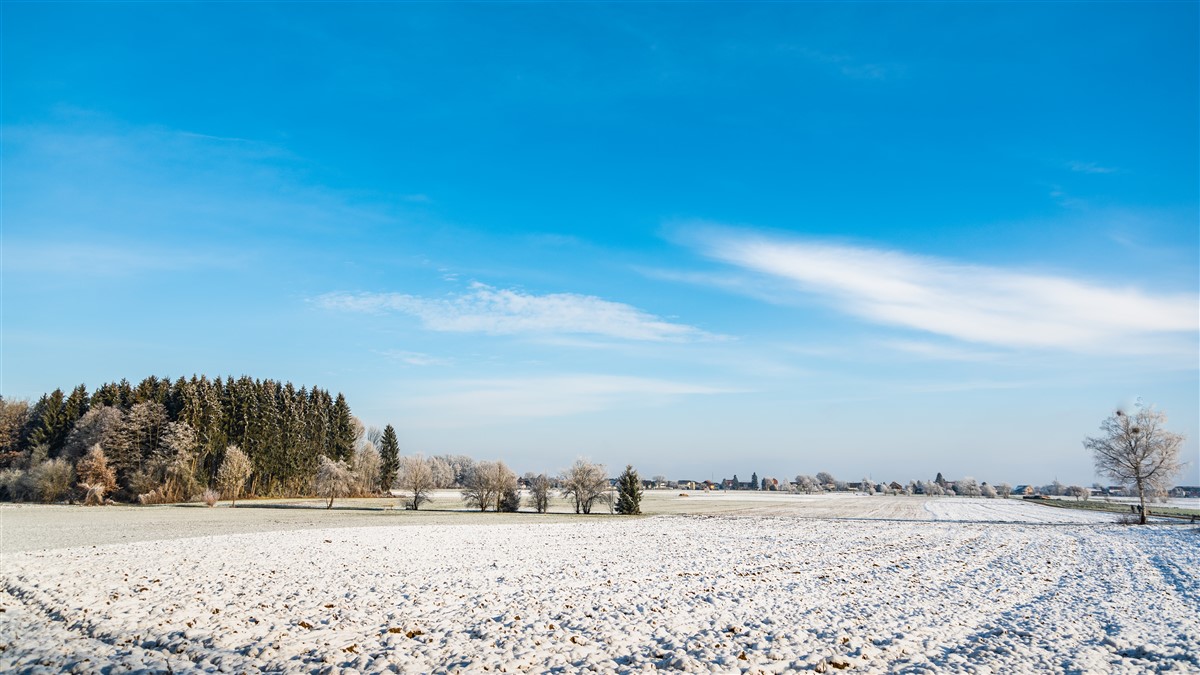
679	593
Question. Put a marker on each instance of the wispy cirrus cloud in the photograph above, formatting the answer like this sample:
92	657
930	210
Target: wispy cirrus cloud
971	303
495	311
413	358
1089	167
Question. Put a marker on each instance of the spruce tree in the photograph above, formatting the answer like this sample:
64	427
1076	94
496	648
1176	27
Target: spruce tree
754	481
389	452
341	431
629	492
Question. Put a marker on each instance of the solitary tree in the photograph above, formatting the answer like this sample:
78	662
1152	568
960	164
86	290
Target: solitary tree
585	484
825	478
233	474
415	478
539	492
334	479
1134	449
629	492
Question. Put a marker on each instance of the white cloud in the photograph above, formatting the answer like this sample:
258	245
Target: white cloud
508	312
469	402
972	303
1089	167
413	358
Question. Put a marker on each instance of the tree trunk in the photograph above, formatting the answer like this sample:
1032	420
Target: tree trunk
1142	501
330	504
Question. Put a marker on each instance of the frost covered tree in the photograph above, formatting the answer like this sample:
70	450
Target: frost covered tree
987	491
234	472
443	472
539	492
1136	450
96	478
389	455
825	478
866	486
486	484
52	479
334	479
1079	492
415	478
806	484
585	484
967	487
367	466
1003	490
629	492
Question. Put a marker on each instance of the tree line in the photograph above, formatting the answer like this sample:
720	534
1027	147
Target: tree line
166	440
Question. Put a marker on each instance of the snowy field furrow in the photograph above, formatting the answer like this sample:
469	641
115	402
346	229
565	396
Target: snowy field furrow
962	509
690	593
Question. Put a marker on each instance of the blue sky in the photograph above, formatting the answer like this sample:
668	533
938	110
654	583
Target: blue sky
873	239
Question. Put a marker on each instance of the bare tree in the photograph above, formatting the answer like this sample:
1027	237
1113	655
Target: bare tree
334	479
367	464
1136	450
234	472
585	484
443	472
539	492
415	477
101	424
1003	490
1079	492
825	478
486	485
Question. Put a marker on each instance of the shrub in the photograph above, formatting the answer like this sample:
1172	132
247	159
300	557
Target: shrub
14	485
52	480
96	478
210	497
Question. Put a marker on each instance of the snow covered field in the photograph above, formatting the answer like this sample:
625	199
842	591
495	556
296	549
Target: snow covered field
938	592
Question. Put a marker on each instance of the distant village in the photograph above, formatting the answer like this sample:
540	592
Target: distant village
966	487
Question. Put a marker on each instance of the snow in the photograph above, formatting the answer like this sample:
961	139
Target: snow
963	509
694	593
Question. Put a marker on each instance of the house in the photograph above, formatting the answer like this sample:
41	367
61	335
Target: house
1023	490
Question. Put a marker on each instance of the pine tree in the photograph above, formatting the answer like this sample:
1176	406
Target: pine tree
754	481
629	492
389	451
341	431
